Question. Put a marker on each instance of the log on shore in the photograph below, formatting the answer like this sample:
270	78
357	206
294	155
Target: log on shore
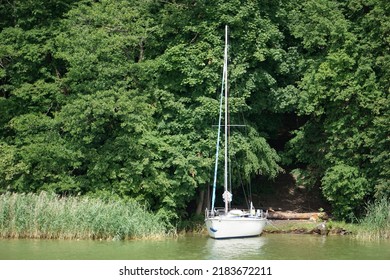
314	216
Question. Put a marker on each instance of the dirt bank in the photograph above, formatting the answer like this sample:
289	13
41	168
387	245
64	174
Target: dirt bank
304	227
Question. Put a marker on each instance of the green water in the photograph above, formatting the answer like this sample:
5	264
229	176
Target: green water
270	246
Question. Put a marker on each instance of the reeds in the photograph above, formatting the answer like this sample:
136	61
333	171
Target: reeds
376	224
50	216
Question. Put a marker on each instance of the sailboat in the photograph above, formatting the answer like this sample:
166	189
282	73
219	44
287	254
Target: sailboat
226	222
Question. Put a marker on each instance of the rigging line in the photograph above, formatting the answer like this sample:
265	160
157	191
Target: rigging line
242	184
228	130
218	139
246	134
229	151
230	169
250	189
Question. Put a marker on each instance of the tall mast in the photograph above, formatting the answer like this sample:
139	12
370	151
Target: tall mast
226	118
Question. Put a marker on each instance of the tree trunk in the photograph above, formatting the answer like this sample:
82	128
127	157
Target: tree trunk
200	205
278	215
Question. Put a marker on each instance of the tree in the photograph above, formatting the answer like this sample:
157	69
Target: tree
119	97
30	93
344	92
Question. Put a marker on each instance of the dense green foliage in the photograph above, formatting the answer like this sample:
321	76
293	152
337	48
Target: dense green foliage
50	216
345	92
119	97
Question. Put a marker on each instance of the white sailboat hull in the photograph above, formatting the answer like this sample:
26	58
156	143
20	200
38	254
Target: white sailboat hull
234	227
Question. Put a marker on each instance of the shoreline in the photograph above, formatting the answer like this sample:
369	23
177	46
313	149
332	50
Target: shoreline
293	227
307	227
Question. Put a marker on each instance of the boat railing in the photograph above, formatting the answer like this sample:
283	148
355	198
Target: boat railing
236	212
213	213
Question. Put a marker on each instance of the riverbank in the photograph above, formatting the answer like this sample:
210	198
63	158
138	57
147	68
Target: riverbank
290	227
374	225
49	216
310	227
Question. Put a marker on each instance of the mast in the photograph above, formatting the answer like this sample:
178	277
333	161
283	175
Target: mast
224	82
226	119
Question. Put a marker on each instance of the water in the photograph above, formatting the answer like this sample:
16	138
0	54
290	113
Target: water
270	247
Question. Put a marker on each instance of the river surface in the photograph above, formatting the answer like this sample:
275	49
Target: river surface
266	247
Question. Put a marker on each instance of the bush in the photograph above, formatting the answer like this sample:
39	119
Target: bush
345	189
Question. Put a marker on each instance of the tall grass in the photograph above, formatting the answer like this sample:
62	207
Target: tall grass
50	216
376	224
